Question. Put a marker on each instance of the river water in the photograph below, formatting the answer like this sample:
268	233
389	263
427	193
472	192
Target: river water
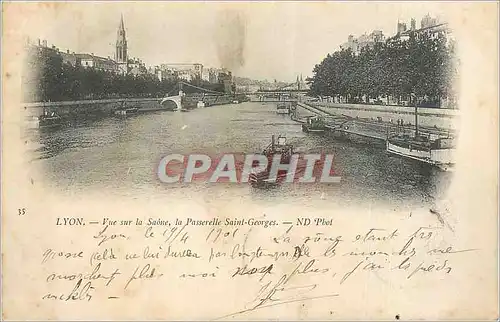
120	156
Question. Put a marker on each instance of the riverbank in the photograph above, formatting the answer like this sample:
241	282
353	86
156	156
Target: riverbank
372	129
84	108
445	119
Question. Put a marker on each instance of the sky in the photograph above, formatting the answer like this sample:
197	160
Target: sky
265	40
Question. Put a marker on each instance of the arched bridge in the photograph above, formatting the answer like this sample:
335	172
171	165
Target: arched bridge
175	102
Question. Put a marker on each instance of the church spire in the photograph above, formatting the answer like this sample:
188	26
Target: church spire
122	26
121	32
121	43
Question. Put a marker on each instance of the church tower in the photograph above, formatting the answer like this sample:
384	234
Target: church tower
121	44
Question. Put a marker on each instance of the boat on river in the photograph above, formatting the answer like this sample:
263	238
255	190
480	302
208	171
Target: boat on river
432	149
314	124
123	110
279	147
127	111
435	151
46	120
282	108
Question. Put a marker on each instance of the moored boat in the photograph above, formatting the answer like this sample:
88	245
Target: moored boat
127	111
123	110
282	108
437	151
46	120
314	124
428	148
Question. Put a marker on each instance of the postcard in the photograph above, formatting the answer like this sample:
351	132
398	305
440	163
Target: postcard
249	160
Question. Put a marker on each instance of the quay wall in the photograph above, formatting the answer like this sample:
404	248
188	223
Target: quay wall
210	100
446	119
372	129
390	108
107	106
88	107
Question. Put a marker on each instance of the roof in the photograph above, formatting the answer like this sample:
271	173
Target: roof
441	25
437	28
84	56
92	57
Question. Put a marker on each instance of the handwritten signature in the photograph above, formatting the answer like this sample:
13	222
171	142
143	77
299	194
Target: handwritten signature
283	291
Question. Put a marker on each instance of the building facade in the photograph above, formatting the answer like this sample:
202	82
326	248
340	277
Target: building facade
225	78
205	74
69	58
429	25
363	41
187	72
427	21
136	67
98	63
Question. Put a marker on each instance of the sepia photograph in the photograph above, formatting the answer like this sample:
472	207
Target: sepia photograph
99	114
250	160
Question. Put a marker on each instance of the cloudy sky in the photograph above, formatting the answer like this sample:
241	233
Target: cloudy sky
266	40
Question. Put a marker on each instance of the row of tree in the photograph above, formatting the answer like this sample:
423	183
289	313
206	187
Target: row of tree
47	78
419	70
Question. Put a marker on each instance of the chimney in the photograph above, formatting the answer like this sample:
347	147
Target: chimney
39	44
67	51
45	43
413	24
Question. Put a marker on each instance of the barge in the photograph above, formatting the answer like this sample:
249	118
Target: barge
435	151
314	124
283	108
262	178
46	120
429	148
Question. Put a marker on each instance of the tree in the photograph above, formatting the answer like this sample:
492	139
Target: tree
421	66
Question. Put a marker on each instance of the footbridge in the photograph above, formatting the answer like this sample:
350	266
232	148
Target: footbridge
178	101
